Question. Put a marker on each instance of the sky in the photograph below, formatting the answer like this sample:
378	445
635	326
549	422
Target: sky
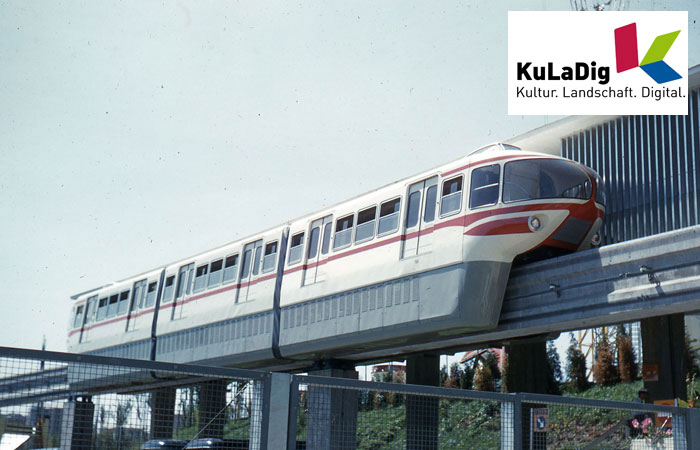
133	134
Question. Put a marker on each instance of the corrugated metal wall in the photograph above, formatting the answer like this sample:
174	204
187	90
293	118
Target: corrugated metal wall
651	167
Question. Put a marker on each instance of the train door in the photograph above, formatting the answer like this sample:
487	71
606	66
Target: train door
312	253
137	296
427	216
250	269
183	288
88	318
418	203
326	232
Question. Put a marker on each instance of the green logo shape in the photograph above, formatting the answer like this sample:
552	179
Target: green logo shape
659	47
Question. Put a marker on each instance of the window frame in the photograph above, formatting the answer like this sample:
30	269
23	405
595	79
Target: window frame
112	312
459	194
234	267
499	193
300	246
351	229
171	294
201	277
219	272
78	315
265	256
357	224
419	193
102	304
147	289
398	217
326	235
436	205
123	301
90	312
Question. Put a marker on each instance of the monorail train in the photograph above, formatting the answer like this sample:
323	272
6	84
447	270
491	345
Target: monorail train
415	261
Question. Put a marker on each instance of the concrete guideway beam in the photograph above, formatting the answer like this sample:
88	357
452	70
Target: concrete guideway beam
625	282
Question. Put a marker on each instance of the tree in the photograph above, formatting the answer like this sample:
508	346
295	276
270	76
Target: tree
483	379
492	363
576	367
453	378
626	359
443	376
553	369
123	411
691	357
466	379
604	369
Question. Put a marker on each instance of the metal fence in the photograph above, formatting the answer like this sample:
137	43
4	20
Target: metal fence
79	402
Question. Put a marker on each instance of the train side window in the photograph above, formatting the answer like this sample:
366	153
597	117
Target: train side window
169	288
78	319
151	294
112	305
200	278
256	260
327	228
90	309
230	268
245	270
343	232
312	252
123	304
215	272
137	297
184	280
413	209
484	186
269	258
102	309
296	248
430	202
389	216
451	201
366	220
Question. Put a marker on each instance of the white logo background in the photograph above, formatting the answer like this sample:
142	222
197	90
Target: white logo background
565	38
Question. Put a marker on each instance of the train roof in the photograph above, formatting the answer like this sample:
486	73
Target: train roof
494	147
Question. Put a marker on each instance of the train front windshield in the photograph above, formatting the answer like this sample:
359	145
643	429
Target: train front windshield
533	179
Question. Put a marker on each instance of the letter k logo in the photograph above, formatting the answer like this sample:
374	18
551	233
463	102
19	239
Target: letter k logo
652	63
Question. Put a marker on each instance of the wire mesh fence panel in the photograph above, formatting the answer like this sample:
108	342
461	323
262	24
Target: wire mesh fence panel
351	417
570	426
87	403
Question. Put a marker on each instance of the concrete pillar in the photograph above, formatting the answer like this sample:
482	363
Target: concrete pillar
212	405
422	413
527	367
528	371
663	342
162	413
332	416
76	425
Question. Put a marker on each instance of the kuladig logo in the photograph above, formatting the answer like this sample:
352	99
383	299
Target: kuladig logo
627	57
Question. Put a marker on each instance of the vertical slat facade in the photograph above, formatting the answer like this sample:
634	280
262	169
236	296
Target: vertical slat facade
650	165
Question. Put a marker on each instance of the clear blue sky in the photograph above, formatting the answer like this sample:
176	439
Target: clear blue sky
136	133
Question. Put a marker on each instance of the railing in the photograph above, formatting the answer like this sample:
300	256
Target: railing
96	403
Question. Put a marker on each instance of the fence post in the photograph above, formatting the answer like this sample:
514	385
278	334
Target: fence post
274	411
507	425
293	409
517	423
76	426
692	428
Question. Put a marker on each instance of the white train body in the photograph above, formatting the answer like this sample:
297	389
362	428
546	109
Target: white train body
414	261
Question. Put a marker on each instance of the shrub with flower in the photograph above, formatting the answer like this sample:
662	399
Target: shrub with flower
647	429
